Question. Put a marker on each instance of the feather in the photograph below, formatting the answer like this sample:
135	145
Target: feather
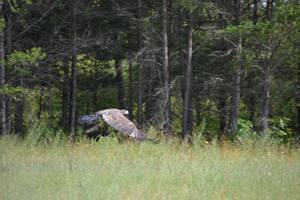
88	119
116	119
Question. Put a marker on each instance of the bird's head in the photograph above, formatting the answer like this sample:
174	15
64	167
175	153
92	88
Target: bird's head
124	112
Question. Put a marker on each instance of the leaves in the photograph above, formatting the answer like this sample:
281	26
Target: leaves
21	60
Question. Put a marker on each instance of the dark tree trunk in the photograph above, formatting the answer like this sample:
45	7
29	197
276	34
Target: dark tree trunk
130	89
19	109
252	109
298	99
166	81
197	104
255	11
40	109
73	72
187	101
140	115
269	9
65	99
9	24
251	81
2	77
222	107
150	88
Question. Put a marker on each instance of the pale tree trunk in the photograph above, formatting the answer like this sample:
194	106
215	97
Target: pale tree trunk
166	81
187	101
266	99
2	77
119	80
235	100
73	73
236	84
264	125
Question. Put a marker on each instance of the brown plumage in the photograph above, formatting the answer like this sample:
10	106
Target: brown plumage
116	119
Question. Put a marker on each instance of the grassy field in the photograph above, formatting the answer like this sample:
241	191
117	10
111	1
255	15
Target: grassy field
108	170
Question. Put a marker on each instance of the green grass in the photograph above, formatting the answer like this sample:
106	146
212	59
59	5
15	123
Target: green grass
108	170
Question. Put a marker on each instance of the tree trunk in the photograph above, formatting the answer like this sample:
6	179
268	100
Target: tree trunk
186	124
8	51
73	73
251	81
255	11
269	9
235	100
222	107
140	115
197	104
2	77
266	99
65	99
19	108
130	89
40	108
264	125
166	82
298	100
235	96
119	80
252	110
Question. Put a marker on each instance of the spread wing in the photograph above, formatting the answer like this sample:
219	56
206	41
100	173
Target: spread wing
118	121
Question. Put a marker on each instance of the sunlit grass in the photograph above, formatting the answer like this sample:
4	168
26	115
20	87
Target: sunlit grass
109	170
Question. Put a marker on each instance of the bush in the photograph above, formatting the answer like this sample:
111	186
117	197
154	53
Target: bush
39	133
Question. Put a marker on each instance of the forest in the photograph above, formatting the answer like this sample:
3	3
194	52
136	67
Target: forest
213	69
217	82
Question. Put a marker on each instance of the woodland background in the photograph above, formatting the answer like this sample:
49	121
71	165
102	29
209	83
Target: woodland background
217	69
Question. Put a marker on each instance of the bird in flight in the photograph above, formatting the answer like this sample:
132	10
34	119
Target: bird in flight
116	119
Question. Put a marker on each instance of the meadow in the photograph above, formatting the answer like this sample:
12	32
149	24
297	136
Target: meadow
111	170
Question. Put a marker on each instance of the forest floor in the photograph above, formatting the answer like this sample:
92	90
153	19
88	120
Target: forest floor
110	170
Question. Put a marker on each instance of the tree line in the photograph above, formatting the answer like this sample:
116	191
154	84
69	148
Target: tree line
222	68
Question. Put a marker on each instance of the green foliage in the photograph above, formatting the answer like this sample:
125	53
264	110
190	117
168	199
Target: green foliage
10	90
26	58
280	128
190	5
40	134
23	61
199	131
17	6
2	24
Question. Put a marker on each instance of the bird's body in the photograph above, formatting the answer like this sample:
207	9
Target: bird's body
116	119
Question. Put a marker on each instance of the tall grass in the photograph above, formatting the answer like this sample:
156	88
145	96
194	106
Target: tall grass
111	170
